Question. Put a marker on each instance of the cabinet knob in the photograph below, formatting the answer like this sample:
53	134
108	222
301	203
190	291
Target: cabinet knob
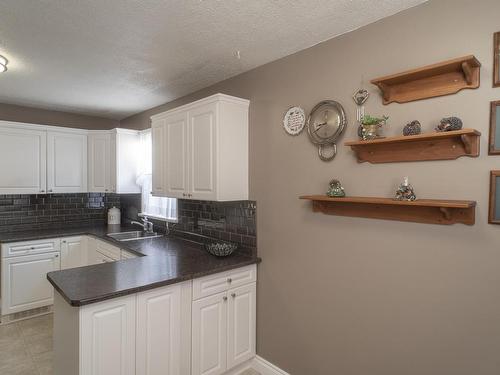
233	295
64	242
184	194
42	191
32	248
56	256
229	280
224	298
50	190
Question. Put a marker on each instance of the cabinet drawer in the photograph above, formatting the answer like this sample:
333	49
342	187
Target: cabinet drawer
109	250
31	247
220	282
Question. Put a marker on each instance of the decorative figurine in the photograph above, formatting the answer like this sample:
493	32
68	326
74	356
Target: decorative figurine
369	128
448	124
412	128
405	191
336	189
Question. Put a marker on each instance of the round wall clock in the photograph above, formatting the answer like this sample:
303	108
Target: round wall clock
326	123
294	120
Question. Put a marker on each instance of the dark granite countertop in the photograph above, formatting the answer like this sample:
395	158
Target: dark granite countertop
165	260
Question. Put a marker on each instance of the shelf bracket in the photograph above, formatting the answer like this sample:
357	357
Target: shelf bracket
467	141
467	70
386	91
446	212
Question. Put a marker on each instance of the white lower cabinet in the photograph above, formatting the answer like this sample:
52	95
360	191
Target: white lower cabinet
108	337
223	330
161	331
209	338
24	281
73	252
223	334
241	323
159	326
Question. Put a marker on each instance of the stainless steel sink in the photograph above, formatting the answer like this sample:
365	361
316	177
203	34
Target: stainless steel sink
133	235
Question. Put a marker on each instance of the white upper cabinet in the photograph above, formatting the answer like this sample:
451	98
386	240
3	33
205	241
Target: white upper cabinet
125	160
200	150
158	149
99	162
66	162
114	161
202	146
23	158
175	155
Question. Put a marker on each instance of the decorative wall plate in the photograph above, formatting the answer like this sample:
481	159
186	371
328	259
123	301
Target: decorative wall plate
294	120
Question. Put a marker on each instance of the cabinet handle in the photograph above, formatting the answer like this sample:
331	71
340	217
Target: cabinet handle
105	189
50	190
64	242
233	295
224	298
42	191
56	256
184	194
229	280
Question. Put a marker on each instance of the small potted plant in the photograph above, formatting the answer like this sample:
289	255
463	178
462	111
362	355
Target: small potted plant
370	125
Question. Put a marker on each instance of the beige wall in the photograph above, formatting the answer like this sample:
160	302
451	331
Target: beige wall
31	115
351	296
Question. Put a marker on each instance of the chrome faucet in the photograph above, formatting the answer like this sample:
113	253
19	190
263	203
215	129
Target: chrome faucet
146	224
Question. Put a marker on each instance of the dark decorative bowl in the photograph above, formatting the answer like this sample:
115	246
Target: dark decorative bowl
221	248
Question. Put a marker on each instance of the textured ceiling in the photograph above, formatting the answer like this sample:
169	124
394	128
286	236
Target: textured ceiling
114	58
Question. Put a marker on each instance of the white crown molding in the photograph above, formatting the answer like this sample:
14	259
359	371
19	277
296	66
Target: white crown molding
208	99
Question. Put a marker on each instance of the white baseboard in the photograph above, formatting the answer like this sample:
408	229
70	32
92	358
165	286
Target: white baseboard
266	368
258	364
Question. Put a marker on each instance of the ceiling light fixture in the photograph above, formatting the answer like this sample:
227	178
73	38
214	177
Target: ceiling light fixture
3	64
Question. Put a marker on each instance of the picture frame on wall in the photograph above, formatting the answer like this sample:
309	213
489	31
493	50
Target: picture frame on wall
494	137
496	59
494	205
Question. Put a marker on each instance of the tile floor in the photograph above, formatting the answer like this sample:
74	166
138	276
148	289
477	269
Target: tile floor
26	347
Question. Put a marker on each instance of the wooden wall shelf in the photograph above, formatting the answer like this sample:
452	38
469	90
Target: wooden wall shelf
444	78
429	211
431	146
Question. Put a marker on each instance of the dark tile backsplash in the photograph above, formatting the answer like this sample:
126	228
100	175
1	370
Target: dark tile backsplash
26	212
229	221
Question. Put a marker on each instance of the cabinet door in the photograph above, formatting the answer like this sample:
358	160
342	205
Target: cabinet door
73	252
158	340
107	338
99	162
66	162
202	146
24	282
158	162
241	325
209	335
22	161
175	167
